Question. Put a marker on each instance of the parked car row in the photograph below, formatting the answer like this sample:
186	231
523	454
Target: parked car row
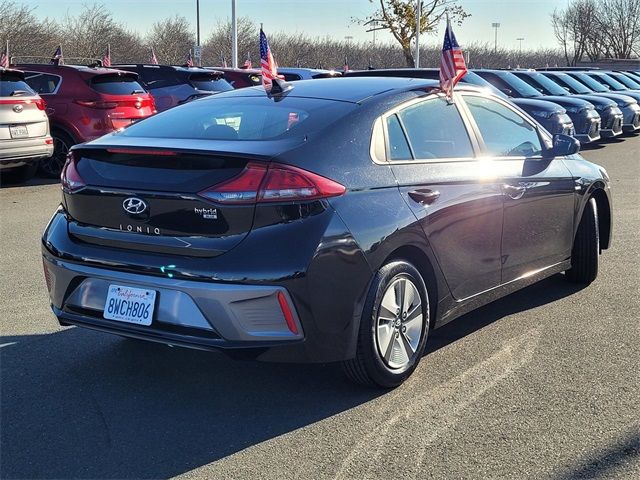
86	102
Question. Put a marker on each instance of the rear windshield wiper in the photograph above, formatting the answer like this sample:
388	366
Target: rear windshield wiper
19	93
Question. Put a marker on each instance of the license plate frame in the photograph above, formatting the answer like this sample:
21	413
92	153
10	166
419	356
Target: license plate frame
18	131
128	304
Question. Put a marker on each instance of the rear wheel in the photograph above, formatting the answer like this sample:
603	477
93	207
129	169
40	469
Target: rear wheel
52	166
586	247
393	329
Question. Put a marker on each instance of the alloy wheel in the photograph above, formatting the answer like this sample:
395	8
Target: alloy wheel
52	166
400	323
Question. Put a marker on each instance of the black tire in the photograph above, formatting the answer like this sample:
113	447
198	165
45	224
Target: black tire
586	247
369	367
52	167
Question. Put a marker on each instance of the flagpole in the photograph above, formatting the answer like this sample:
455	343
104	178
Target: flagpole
234	35
418	12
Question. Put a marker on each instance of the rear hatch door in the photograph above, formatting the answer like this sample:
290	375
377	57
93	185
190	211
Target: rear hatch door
123	97
22	113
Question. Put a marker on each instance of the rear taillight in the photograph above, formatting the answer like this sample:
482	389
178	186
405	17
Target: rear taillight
100	104
273	183
70	178
40	103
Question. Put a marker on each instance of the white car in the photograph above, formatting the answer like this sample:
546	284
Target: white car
24	126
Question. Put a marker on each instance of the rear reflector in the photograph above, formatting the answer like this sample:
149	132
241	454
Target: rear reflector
273	183
288	315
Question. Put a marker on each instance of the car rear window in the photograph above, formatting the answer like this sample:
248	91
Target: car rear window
241	118
13	85
116	85
42	83
210	82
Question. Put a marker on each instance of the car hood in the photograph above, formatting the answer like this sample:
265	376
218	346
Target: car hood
532	103
620	99
567	101
597	101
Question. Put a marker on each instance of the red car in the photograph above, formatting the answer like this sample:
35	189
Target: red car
241	77
85	103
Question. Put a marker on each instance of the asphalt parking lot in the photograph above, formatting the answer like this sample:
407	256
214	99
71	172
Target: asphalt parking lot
542	384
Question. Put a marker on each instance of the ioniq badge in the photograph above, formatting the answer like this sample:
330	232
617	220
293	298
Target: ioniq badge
134	206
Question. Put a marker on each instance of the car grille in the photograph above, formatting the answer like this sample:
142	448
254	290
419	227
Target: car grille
617	125
594	129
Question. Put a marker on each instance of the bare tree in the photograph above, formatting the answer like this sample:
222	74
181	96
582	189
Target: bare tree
171	40
619	23
218	44
400	18
573	27
27	34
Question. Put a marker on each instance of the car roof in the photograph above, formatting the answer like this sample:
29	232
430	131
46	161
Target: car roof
350	89
252	71
313	71
14	71
179	68
82	69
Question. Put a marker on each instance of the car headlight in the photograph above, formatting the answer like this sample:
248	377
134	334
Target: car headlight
542	113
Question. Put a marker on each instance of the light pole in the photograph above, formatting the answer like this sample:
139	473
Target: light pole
495	45
198	32
521	39
418	35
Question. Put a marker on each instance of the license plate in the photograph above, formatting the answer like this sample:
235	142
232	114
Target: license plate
128	304
18	131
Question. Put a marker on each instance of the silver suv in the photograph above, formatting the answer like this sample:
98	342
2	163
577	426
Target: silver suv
24	126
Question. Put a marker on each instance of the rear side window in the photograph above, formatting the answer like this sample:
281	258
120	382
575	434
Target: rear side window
291	77
209	83
116	85
14	86
42	83
505	133
436	130
398	145
241	118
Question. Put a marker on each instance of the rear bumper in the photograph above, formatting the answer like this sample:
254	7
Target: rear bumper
14	153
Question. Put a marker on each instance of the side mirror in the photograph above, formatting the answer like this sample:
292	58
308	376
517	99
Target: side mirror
564	145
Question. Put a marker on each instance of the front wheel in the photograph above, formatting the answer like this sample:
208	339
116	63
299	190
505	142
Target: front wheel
393	329
586	247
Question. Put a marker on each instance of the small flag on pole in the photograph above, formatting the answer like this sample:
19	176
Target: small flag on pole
224	60
57	58
4	58
189	62
452	65
247	62
267	63
106	58
154	59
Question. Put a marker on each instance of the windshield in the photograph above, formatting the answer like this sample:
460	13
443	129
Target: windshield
625	80
612	82
14	86
116	85
241	118
519	85
477	80
209	82
549	85
574	85
590	82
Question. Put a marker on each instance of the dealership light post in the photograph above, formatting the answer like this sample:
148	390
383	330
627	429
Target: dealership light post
495	45
234	35
418	34
521	39
197	49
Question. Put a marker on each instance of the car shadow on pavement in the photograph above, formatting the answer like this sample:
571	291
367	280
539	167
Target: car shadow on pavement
82	404
7	180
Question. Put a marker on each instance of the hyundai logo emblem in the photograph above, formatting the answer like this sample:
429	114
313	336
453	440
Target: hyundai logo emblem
18	108
134	206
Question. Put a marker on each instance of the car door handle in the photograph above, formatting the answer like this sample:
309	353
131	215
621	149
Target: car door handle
425	197
515	192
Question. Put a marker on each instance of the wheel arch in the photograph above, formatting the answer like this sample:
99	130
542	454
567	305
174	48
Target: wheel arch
604	216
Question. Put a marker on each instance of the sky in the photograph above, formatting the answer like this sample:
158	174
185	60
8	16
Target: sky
528	19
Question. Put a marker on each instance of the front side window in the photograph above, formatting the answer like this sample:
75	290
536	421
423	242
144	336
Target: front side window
435	130
505	133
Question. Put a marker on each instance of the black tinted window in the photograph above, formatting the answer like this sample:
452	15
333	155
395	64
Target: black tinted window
116	85
291	77
241	118
436	130
42	83
14	86
398	146
157	77
209	82
505	132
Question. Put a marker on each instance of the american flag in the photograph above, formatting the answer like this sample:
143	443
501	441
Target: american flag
154	59
57	58
267	63
106	58
247	63
452	65
189	60
4	58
